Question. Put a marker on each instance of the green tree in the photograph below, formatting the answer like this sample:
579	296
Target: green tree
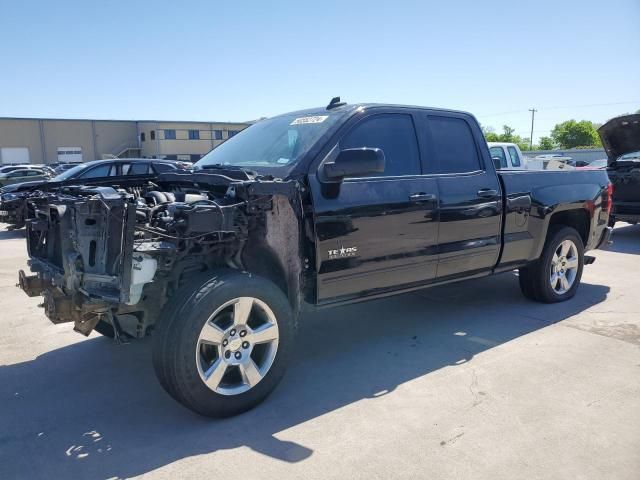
507	135
489	134
545	143
572	134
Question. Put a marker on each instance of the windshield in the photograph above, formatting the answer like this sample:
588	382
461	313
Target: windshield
72	172
275	142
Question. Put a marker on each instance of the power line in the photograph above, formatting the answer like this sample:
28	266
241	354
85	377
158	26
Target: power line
562	107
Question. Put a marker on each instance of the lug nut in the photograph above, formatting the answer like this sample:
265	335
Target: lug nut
232	332
245	345
238	355
225	342
243	333
227	354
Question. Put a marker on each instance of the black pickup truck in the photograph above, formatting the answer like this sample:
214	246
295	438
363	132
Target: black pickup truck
308	209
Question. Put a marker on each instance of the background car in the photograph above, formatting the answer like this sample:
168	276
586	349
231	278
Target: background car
10	168
14	209
23	175
595	164
63	167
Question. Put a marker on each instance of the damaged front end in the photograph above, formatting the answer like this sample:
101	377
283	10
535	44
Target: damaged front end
101	255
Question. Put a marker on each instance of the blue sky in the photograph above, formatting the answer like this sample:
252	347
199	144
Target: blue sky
205	60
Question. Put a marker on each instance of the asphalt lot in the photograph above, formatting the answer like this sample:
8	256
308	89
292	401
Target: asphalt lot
466	381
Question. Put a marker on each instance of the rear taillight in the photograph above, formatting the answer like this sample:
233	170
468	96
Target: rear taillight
609	204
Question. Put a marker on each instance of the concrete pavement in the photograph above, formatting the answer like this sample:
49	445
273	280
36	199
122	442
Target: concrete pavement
468	381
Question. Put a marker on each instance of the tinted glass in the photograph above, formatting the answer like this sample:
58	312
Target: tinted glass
72	172
163	167
515	158
139	168
499	152
104	170
454	145
395	135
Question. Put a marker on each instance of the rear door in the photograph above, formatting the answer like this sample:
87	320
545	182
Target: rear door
378	232
470	196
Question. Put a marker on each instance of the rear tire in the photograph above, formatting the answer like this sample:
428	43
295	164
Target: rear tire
225	342
556	275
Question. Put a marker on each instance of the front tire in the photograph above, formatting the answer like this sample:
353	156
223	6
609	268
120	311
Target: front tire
225	343
556	275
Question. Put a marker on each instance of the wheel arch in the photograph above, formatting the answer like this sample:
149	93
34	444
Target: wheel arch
577	218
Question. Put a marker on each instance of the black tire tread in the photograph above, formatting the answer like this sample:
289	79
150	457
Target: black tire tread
170	358
533	277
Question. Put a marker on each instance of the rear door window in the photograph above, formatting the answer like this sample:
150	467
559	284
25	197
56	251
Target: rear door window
454	145
395	135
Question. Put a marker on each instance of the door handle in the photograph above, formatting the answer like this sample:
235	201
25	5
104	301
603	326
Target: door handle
487	193
422	197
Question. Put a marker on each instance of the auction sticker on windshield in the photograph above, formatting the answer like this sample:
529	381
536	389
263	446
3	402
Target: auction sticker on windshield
307	120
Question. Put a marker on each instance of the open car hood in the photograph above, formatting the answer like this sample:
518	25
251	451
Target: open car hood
620	135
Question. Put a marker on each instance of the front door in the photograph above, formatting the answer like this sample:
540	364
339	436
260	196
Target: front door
378	232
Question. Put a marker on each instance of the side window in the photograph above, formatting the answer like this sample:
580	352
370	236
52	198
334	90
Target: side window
139	168
125	167
515	158
163	167
106	170
194	134
395	135
498	152
454	145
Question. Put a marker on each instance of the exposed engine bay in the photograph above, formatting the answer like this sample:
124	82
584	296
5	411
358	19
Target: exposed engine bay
114	257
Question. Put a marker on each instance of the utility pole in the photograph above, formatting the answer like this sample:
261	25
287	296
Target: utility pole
533	114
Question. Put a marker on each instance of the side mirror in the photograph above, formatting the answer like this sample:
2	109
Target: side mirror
354	162
497	161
